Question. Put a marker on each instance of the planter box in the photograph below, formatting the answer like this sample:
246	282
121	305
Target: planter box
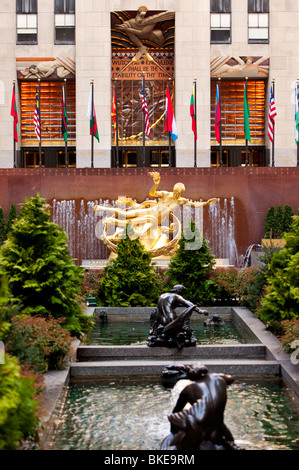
273	242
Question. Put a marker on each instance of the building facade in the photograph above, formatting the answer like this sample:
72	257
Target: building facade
118	48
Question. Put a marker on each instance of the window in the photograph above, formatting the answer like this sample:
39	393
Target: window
51	113
258	21
220	21
232	114
64	21
26	21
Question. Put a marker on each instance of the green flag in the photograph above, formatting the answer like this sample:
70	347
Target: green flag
246	117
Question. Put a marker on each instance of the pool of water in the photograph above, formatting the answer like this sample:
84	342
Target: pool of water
129	333
260	414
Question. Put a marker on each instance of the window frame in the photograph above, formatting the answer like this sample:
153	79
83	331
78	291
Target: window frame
221	10
68	11
258	7
21	12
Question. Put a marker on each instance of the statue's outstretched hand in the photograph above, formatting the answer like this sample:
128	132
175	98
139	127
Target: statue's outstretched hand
201	312
156	176
212	201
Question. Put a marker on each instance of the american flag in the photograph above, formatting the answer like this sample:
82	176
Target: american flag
272	115
146	116
36	114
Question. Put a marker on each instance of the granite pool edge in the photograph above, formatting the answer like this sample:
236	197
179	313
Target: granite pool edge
56	382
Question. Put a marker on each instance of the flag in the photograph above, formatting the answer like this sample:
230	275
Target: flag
64	121
193	114
91	114
246	117
217	116
170	124
37	114
144	107
14	113
272	115
296	113
113	111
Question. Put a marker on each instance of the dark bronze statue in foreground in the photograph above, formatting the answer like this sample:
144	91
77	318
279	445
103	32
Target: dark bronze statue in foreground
197	420
169	328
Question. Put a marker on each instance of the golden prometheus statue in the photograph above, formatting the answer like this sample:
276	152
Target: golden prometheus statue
146	219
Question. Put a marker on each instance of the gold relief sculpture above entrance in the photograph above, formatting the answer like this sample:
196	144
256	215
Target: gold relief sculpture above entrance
46	68
237	67
142	44
142	35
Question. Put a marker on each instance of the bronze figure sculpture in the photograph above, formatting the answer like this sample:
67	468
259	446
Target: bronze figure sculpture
197	420
170	329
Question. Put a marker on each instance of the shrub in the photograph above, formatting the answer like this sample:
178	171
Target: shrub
12	215
18	406
191	267
39	342
276	223
281	301
130	279
233	284
2	227
39	269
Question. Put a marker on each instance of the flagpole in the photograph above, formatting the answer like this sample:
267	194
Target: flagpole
195	109
220	135
246	159
65	145
40	127
169	134
14	141
92	117
273	91
297	100
116	123
143	120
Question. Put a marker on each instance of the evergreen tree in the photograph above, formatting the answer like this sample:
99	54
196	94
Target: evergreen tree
288	218
279	222
12	215
2	227
130	279
269	222
40	272
191	265
282	298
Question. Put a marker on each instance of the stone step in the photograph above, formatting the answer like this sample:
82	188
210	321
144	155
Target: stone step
102	353
144	368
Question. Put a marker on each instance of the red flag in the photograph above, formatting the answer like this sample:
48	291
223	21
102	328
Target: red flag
113	111
14	114
193	114
217	116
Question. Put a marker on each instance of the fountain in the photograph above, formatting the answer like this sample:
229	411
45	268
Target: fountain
170	329
147	406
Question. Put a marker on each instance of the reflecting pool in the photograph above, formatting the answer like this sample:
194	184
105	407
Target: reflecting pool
129	333
261	415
